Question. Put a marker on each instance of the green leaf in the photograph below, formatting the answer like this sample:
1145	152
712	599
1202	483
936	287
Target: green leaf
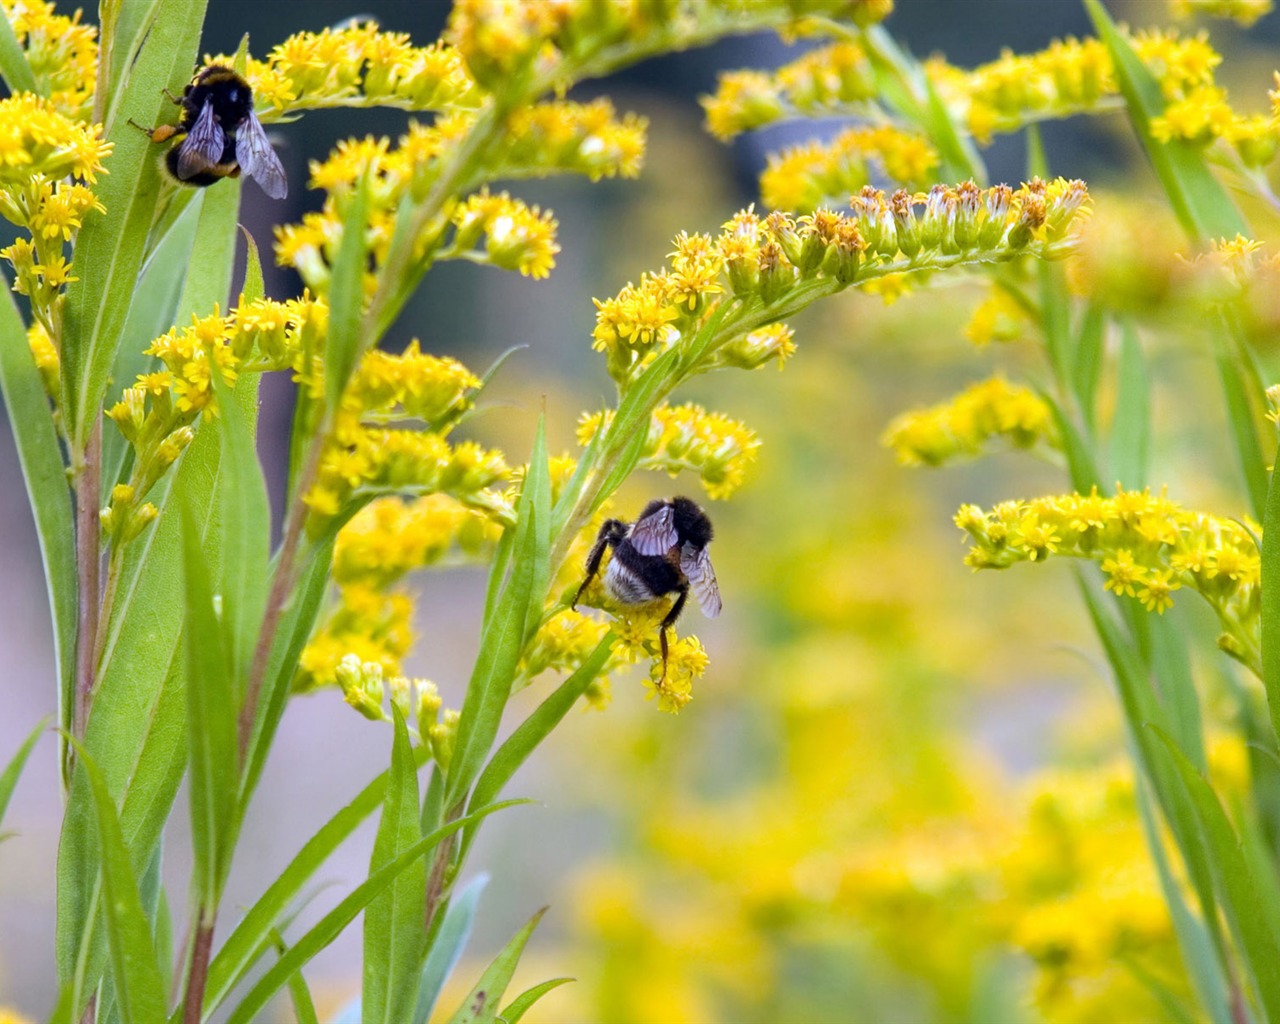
518	1007
138	731
294	630
151	313
110	246
1131	430
132	23
1240	397
394	921
332	924
1271	603
13	60
39	453
1055	316
481	1006
346	298
1141	711
446	949
503	638
211	721
245	522
1087	370
960	158
254	288
537	481
1198	199
534	729
1083	470
1194	941
9	777
251	937
139	981
304	1007
1237	890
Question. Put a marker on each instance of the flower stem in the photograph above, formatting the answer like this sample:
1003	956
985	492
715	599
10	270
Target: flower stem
88	553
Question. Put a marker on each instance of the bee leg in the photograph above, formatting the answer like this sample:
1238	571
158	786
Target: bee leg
596	557
175	100
668	622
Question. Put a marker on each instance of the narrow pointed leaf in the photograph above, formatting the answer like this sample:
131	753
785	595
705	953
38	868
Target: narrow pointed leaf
304	1007
251	937
450	940
1131	430
502	640
518	1007
211	718
1196	945
394	921
332	924
1087	369
139	982
14	67
254	287
534	729
1236	887
246	533
1271	603
39	453
481	1005
9	777
346	298
132	24
1198	199
1244	426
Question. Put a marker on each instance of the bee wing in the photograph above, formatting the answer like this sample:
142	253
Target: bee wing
655	534
695	563
258	160
202	148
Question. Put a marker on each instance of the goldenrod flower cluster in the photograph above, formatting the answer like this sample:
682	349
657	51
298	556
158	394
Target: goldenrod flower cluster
506	43
363	455
40	148
688	437
828	81
1147	547
773	260
998	317
1069	77
383	542
962	426
551	138
804	177
62	54
365	685
1243	12
357	66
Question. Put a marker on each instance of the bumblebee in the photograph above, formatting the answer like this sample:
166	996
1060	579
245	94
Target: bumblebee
663	552
218	135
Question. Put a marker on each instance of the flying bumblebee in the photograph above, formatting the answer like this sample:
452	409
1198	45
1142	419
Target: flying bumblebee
218	135
663	552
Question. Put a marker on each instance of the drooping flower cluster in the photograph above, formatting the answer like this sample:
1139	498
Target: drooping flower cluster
802	178
779	260
61	52
384	542
689	438
962	426
1146	545
357	65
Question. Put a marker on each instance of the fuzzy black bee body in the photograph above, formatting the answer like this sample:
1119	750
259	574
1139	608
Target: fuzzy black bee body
663	552
219	136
